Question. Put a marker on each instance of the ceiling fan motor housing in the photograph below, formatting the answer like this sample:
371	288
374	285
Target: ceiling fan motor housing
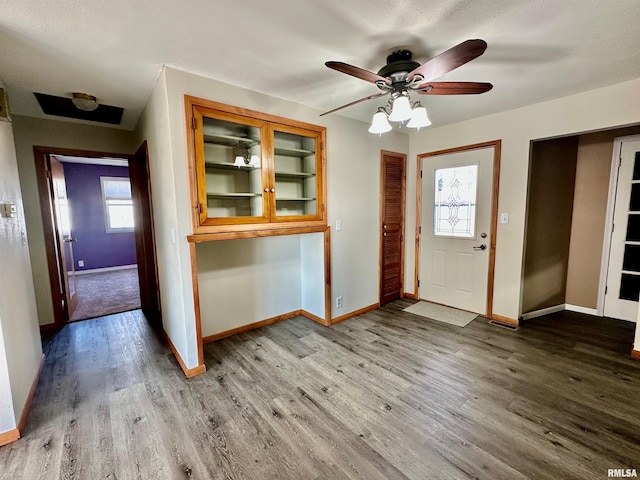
399	64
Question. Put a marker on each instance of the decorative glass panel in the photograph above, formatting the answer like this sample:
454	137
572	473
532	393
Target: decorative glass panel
636	167
634	204
631	261
232	169
633	228
454	209
629	287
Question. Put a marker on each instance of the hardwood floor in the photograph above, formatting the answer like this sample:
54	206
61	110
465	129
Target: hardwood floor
387	395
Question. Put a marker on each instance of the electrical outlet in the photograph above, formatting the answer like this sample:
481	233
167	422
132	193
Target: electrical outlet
339	302
81	263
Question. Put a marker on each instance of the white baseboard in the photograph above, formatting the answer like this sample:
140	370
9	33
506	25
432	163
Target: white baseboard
560	308
579	309
544	311
106	269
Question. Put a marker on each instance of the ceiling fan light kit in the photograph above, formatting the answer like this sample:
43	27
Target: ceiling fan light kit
400	108
402	75
380	123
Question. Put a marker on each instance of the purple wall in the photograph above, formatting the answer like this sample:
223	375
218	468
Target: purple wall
97	248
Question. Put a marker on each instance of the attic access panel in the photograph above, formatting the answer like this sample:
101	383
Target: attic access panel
64	107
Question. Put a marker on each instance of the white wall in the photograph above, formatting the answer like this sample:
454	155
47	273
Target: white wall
30	132
7	415
20	347
353	182
608	107
246	281
312	281
173	272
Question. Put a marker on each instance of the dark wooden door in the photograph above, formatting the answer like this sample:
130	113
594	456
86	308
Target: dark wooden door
144	235
64	239
392	219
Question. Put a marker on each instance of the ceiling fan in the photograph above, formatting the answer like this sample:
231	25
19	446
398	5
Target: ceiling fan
402	75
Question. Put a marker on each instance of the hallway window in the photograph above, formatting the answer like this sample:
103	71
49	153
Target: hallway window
118	206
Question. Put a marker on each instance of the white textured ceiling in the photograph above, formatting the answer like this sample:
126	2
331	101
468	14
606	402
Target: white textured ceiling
115	49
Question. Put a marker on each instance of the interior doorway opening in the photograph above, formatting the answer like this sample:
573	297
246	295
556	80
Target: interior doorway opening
566	223
98	226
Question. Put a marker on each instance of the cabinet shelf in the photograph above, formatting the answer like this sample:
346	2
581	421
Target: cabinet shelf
294	199
228	166
233	195
293	152
294	174
229	140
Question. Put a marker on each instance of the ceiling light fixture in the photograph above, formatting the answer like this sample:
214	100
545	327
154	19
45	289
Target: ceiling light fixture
84	101
244	157
399	109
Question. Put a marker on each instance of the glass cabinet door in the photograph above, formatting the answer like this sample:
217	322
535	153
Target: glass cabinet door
296	165
231	178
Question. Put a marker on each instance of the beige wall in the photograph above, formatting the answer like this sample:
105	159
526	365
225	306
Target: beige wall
20	348
548	223
593	172
608	107
30	132
353	184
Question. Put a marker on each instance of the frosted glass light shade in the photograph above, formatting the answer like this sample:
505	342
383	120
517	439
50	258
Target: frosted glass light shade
239	161
379	124
401	109
84	101
255	161
419	118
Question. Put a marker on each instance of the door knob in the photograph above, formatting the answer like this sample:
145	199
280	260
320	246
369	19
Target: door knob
384	225
384	234
481	247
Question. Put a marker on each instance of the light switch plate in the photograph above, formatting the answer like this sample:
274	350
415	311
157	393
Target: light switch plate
9	210
504	218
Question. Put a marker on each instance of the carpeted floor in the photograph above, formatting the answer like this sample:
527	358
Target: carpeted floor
106	293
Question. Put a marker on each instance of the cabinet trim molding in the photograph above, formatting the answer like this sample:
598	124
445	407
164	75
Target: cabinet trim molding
236	202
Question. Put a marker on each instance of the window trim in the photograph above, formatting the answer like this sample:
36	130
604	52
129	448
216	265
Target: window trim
105	206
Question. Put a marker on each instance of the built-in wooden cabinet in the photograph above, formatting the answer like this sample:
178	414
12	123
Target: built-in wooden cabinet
253	171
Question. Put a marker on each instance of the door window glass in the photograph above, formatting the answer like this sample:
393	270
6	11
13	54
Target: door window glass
454	204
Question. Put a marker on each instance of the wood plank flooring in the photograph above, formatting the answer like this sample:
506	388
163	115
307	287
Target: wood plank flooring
386	395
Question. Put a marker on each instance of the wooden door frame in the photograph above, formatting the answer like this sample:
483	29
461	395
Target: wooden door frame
41	154
403	158
141	157
495	187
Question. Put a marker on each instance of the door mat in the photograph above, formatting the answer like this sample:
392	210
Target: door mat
453	316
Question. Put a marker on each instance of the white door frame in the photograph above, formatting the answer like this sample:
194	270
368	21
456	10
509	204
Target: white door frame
495	185
608	225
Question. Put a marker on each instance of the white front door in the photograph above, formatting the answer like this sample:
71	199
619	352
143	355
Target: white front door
623	274
455	228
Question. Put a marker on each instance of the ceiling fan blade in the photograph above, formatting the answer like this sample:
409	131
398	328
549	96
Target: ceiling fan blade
354	102
453	88
449	60
357	72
